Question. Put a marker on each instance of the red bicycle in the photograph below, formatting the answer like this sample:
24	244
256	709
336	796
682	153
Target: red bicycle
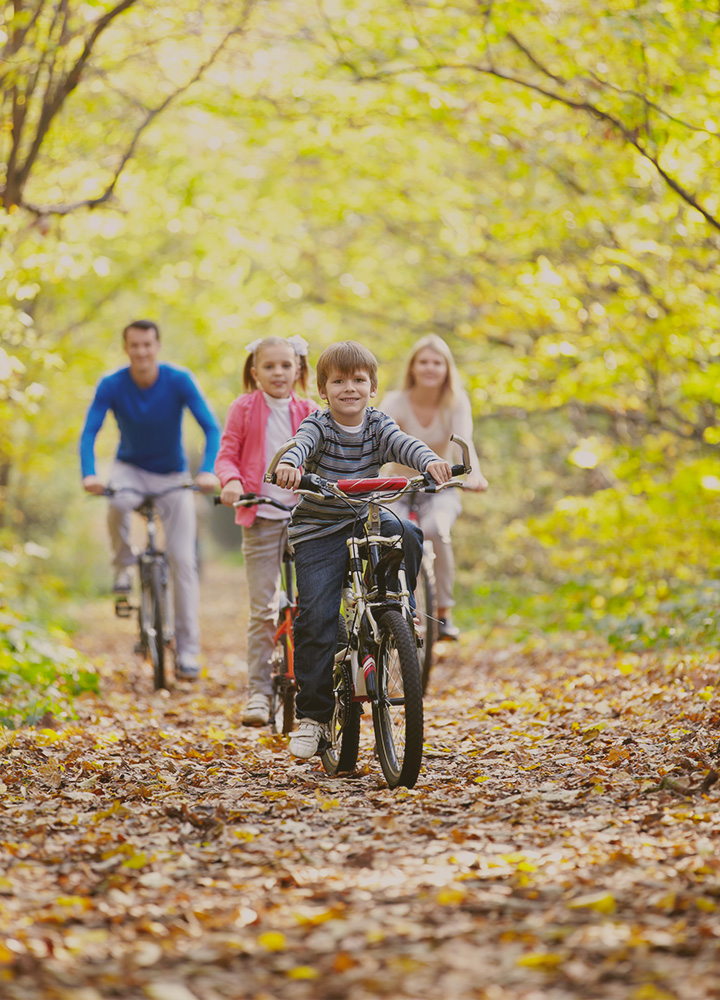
282	664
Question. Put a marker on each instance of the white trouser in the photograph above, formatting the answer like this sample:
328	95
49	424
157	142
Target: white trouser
177	513
437	513
263	545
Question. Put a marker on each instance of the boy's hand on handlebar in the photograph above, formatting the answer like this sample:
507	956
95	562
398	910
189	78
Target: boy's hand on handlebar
207	482
92	484
287	476
441	471
231	491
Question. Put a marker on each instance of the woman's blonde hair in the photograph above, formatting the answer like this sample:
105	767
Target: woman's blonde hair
451	385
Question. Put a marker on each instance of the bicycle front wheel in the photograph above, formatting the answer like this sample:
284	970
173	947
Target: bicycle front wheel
282	706
398	710
426	611
151	620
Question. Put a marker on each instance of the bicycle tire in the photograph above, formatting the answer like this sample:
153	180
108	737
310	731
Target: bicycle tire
282	699
151	620
346	724
426	611
398	710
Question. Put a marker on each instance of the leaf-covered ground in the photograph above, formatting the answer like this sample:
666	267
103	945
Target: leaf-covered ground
562	841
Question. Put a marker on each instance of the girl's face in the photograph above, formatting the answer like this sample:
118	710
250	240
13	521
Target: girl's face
275	370
429	369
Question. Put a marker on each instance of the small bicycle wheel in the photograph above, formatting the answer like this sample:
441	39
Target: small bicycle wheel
282	699
151	620
398	711
344	726
426	611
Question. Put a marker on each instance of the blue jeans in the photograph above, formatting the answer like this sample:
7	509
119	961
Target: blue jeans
320	568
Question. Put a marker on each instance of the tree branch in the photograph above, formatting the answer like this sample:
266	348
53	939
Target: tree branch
150	116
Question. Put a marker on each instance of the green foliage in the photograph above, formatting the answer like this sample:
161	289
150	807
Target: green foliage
533	181
39	673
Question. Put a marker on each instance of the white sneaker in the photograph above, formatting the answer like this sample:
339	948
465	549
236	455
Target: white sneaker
187	668
122	584
305	741
257	711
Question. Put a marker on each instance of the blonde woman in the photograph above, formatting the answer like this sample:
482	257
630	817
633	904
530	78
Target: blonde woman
431	406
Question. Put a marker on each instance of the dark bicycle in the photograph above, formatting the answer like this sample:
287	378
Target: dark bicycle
377	660
154	611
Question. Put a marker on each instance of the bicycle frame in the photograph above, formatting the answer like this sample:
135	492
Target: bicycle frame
154	622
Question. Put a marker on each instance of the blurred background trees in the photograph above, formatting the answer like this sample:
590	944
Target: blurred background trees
534	181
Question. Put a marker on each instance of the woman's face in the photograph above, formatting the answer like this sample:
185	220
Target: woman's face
429	369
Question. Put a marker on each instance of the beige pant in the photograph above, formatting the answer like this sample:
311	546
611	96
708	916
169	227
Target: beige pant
437	513
263	545
177	513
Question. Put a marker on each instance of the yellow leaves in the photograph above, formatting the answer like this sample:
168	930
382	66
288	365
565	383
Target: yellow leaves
245	835
45	737
649	991
272	941
6	956
215	733
116	809
313	919
544	960
706	693
325	803
705	904
303	972
138	860
449	896
73	901
601	902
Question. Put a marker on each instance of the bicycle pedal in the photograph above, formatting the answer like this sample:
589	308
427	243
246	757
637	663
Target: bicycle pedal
123	608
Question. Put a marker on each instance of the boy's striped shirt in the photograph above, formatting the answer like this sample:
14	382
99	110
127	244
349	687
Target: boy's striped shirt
323	447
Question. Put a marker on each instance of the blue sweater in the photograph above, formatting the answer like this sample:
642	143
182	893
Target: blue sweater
150	420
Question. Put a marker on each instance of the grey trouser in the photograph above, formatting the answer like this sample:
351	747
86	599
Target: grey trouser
437	513
177	513
263	545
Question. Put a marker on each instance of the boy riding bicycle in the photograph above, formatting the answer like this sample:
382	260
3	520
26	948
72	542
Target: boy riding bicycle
348	439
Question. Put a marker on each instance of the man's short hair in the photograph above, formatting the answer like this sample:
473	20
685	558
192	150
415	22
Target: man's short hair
346	357
142	324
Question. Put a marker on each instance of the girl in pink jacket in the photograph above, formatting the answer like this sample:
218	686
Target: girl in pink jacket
258	423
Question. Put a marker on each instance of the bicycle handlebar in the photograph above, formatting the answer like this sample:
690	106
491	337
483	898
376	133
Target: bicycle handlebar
252	500
397	485
110	491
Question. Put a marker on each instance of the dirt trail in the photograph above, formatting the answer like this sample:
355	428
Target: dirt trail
158	849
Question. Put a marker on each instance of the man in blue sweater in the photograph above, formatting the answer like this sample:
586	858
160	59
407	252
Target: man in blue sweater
148	399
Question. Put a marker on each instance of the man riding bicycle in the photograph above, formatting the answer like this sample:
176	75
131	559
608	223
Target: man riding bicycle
148	400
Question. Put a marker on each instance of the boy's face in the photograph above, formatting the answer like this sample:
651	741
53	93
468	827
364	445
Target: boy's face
348	395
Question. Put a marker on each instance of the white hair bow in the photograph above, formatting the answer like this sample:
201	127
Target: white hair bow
252	346
300	345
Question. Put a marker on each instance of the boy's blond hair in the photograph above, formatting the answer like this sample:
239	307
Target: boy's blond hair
346	357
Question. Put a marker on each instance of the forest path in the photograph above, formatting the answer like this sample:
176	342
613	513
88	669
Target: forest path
158	849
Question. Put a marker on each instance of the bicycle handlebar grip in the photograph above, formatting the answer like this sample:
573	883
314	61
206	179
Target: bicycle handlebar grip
459	470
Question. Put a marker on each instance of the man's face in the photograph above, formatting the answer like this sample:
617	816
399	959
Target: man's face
348	395
142	347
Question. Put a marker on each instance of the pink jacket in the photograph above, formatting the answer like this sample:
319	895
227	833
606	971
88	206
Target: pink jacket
242	446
